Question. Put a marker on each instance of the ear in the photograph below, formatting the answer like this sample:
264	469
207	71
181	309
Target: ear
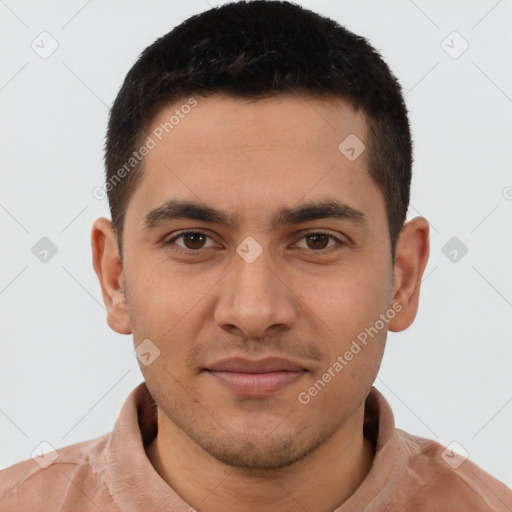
109	269
411	258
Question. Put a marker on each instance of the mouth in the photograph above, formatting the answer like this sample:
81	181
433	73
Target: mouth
247	377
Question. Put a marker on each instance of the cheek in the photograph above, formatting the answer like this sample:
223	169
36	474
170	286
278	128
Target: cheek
163	297
170	308
346	302
353	333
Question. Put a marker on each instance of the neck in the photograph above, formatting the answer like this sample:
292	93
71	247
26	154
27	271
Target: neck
322	481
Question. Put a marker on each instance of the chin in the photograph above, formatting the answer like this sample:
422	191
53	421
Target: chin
262	454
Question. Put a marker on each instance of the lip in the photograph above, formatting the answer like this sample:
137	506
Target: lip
256	378
243	365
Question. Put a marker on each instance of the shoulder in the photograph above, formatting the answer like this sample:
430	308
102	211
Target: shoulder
438	478
69	479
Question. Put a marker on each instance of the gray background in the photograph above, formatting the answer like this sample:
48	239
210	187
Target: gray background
64	373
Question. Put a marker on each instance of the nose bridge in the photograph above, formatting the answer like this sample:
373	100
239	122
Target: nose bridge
253	277
253	297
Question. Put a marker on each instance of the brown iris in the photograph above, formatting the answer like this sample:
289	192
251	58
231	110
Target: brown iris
196	240
318	238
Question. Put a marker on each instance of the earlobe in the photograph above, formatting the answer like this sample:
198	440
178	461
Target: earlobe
412	253
109	269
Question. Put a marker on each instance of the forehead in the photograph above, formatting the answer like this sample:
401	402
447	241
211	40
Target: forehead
281	120
247	156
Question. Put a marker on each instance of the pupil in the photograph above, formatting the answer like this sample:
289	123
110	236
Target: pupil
197	238
315	239
194	243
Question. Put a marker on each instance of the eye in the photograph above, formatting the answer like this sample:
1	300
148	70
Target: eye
192	240
318	242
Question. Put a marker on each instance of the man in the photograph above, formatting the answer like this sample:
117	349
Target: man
258	170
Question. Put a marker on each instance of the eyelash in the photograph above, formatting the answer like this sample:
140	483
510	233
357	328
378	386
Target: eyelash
190	251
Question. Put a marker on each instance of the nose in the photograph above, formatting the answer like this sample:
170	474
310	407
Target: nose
255	298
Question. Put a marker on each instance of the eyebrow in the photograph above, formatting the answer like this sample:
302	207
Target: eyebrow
176	209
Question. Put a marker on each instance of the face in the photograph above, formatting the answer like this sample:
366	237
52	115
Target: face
252	301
